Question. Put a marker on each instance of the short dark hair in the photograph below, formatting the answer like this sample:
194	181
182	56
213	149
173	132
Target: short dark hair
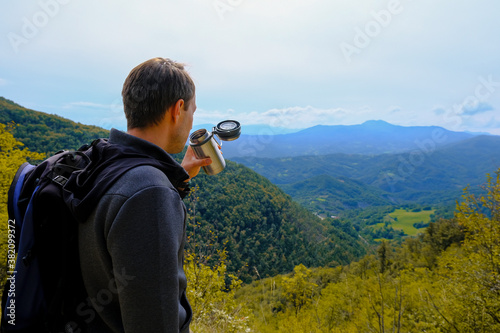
151	88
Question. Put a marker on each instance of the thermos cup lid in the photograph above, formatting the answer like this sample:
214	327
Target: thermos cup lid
228	130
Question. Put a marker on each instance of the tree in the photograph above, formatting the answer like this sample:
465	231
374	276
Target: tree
298	288
212	299
438	237
384	253
472	272
11	157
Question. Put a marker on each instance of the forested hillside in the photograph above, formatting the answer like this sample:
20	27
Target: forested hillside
444	280
43	132
263	231
427	176
326	194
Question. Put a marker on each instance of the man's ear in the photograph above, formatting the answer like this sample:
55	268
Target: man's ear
176	109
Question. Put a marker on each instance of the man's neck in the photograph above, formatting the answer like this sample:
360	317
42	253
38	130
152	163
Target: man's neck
153	134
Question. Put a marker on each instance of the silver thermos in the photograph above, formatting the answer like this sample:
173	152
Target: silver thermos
204	144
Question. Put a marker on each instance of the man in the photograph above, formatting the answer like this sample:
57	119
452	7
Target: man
131	246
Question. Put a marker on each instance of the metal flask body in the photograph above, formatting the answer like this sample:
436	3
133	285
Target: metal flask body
204	145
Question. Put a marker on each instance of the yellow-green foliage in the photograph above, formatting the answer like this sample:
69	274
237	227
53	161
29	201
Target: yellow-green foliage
447	280
11	157
298	288
471	274
211	294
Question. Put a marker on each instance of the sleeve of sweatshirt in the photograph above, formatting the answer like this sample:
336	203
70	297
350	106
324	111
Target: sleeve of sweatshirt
146	243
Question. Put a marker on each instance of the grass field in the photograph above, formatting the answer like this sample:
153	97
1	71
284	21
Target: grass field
403	220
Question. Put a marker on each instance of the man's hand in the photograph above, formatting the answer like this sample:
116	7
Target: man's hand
192	164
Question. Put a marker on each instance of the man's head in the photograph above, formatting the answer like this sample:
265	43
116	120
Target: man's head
152	88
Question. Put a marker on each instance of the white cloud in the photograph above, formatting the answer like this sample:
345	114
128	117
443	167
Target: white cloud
86	105
116	106
92	113
291	117
481	123
473	107
300	117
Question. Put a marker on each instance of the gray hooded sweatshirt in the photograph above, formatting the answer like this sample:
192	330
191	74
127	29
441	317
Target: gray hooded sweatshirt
131	251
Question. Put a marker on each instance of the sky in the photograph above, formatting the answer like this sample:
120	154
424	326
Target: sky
284	63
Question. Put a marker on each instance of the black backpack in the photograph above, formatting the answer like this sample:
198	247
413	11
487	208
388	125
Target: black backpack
44	286
44	283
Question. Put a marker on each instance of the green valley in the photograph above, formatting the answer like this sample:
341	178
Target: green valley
407	220
323	243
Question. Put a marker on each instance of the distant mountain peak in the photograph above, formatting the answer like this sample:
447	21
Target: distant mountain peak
372	137
377	123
